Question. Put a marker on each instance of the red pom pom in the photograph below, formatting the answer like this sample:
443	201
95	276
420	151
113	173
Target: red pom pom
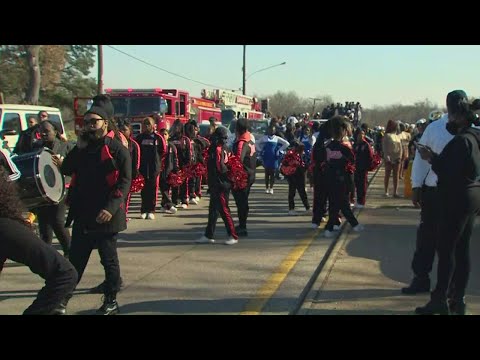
176	179
137	184
236	173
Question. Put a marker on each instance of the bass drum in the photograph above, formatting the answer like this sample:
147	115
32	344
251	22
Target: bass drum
41	183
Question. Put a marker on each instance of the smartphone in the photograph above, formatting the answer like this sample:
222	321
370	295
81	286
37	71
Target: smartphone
420	146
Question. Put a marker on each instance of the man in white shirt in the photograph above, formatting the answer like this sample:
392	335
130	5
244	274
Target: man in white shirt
424	185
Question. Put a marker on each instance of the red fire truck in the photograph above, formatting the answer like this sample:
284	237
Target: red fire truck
136	104
203	109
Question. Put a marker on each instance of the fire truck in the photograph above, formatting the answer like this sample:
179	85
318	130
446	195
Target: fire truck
234	105
136	104
203	109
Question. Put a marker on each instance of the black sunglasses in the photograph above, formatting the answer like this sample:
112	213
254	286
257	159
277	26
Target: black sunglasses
91	121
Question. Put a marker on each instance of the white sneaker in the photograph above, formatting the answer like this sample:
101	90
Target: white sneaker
231	241
387	195
315	226
267	191
323	219
193	201
328	234
143	216
184	206
359	206
151	216
162	210
358	228
292	213
352	205
204	240
172	210
197	198
336	227
271	191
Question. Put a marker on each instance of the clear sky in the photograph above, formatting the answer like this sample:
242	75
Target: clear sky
373	74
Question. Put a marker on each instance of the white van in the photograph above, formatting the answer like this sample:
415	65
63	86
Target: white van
13	120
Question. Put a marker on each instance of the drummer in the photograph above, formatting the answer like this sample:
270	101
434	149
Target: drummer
51	218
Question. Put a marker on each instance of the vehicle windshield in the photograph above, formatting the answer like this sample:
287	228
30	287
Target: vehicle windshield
126	106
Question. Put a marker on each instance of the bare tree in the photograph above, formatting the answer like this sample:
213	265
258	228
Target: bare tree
33	90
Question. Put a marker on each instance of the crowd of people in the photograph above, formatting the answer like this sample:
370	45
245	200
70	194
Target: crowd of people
332	158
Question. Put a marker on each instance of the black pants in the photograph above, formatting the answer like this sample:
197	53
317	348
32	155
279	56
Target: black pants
198	186
83	243
149	195
192	185
241	200
219	205
319	198
339	200
269	178
20	244
52	219
456	220
180	193
427	233
165	189
296	182
361	180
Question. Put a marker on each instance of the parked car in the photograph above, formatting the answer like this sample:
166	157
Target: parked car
14	119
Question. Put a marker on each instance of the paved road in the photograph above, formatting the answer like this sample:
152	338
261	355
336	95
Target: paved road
166	273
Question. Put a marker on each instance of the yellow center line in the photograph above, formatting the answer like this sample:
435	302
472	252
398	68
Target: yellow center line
256	304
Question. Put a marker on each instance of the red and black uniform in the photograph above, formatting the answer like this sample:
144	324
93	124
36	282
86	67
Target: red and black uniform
135	154
170	165
185	157
152	150
101	176
219	187
244	149
27	139
200	144
363	160
339	161
296	183
319	182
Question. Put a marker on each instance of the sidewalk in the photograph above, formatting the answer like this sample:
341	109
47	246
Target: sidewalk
365	271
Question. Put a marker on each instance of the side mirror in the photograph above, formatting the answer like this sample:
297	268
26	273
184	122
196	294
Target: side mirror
7	132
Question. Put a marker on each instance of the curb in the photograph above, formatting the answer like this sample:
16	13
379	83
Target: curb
322	272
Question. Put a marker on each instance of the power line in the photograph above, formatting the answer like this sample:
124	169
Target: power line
170	72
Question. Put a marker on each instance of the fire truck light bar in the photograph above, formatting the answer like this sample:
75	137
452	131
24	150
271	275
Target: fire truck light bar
130	90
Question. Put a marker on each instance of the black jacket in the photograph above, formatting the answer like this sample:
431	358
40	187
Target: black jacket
363	155
217	170
458	166
152	148
244	148
91	192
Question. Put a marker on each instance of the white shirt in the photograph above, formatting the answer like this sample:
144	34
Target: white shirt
292	120
436	137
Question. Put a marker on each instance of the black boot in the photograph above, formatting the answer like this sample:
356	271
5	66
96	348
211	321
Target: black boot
100	289
418	285
109	307
433	307
241	232
457	306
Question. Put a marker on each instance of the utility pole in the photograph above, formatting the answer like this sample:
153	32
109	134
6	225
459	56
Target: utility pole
314	102
244	70
100	69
